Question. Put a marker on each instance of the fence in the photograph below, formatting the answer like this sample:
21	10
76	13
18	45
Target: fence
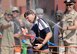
59	49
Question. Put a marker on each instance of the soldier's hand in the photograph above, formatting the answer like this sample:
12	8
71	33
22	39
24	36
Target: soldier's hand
64	28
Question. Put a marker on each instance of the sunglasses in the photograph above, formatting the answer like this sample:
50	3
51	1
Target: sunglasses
69	4
15	11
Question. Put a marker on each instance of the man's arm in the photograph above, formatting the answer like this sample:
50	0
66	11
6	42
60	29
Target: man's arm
47	38
3	24
6	26
74	26
71	27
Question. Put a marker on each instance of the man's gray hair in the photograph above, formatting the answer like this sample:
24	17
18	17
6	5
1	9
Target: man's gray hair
39	11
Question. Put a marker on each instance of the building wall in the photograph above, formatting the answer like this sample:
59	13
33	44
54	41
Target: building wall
21	3
7	4
61	5
76	5
47	5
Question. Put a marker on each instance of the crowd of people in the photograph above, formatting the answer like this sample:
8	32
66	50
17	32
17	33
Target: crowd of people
11	28
14	30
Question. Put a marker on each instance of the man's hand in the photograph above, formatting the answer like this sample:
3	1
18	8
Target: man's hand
24	31
39	46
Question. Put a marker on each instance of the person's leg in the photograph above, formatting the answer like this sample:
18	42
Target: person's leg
12	50
46	51
72	50
4	50
30	51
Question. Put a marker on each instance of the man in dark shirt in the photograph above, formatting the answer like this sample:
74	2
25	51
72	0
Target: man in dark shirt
41	29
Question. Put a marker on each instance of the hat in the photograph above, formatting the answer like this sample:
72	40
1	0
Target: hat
15	9
39	10
69	1
8	11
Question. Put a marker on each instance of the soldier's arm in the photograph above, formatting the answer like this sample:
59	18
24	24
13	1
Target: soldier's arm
74	26
5	26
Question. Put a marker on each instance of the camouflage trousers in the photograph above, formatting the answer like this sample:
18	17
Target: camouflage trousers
71	50
7	50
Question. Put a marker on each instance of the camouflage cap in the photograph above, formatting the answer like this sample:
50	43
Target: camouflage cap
15	9
9	11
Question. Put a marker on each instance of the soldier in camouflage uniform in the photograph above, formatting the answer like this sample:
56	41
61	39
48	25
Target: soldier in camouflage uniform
7	27
1	17
70	27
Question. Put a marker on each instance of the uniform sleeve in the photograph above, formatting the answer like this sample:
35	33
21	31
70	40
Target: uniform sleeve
46	30
43	26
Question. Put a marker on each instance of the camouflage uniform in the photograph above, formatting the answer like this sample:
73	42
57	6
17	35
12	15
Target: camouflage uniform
70	35
7	42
